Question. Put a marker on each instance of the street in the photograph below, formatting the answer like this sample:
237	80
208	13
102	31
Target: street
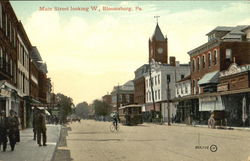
92	141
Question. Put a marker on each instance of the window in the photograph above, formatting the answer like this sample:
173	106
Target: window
7	63
149	99
127	98
1	58
177	90
155	80
229	54
186	90
194	65
120	98
209	59
1	16
182	76
159	94
203	61
155	95
168	78
215	57
198	63
11	69
6	24
15	80
159	79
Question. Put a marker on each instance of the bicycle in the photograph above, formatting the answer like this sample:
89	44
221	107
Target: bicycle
114	128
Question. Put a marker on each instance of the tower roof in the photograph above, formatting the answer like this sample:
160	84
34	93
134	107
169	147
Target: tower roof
157	35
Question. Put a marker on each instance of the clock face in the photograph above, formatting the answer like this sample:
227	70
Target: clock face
159	50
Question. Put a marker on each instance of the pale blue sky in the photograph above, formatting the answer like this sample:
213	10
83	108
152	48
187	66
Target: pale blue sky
109	46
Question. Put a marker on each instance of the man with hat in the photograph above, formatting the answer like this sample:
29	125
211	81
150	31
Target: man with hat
3	130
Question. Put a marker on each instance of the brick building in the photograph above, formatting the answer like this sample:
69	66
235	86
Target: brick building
9	98
226	45
139	83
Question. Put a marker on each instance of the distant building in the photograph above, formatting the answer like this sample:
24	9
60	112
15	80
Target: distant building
123	95
107	99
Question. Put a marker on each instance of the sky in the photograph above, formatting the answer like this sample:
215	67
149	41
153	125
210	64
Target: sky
88	52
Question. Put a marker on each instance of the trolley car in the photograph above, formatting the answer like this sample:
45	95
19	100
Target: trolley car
131	114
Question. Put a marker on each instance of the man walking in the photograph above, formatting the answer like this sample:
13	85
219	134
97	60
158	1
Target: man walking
3	130
13	128
41	128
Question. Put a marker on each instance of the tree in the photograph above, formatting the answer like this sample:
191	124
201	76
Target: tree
82	110
65	104
101	108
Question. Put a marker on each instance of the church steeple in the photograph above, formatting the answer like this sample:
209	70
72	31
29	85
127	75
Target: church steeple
157	35
158	46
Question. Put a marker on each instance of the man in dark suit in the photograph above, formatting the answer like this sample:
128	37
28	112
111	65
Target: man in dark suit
3	130
41	128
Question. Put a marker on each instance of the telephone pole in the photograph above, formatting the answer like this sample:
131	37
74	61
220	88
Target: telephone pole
168	94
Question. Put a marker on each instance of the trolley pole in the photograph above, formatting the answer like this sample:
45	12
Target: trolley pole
168	93
117	104
151	85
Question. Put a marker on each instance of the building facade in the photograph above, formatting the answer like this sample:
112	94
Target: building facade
122	95
226	45
163	78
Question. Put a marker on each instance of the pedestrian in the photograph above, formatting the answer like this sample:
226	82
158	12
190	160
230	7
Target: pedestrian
17	127
41	128
3	130
34	124
12	129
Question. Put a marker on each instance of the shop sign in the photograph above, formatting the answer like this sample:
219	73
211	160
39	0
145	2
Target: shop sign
5	93
208	99
222	88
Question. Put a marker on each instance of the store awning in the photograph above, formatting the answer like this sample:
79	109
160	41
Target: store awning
208	78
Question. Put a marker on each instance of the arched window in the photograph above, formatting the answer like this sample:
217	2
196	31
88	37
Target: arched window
193	65
209	59
215	57
203	61
198	63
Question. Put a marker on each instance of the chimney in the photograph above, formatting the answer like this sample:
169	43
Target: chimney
172	60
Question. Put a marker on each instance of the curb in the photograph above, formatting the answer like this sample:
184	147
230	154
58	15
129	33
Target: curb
217	127
57	142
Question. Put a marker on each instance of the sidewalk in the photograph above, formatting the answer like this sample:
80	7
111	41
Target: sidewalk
28	150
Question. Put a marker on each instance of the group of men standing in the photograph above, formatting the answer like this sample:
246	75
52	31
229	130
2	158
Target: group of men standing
39	126
9	130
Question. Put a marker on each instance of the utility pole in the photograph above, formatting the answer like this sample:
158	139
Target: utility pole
117	102
151	85
168	94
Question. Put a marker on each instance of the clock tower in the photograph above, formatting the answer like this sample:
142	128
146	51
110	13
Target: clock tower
158	46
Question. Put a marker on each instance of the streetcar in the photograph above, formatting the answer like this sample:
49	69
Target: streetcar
131	114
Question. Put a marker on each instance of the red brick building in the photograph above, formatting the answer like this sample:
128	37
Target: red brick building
225	47
139	83
225	44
